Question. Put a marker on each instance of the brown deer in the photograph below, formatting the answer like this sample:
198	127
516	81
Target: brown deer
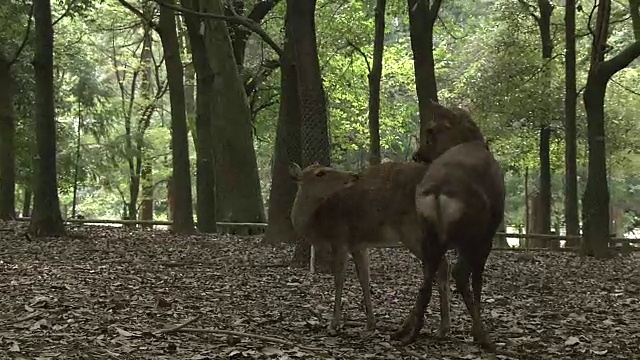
352	212
461	197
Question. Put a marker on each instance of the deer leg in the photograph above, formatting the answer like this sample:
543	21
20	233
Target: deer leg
444	289
432	255
461	272
361	258
340	257
479	330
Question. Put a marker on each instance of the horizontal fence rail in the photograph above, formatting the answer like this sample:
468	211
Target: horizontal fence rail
256	228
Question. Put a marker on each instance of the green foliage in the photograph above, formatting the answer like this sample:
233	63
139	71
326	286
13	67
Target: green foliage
487	58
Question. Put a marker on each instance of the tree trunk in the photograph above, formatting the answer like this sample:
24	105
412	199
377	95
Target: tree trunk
238	190
287	147
26	204
544	225
595	200
76	165
570	155
146	85
374	84
203	138
46	219
7	142
183	215
544	24
312	100
146	181
421	21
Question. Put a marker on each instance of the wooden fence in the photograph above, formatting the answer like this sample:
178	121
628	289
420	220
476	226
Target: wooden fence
259	228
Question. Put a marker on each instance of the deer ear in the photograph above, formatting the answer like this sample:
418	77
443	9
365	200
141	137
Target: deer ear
295	171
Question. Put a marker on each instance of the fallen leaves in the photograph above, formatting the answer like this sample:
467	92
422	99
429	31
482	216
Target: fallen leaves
118	293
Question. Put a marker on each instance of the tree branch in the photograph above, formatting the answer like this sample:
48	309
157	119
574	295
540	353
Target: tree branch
261	9
24	40
248	23
356	48
622	60
433	12
140	15
66	12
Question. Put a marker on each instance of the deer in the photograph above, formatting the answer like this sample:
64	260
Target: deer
461	200
352	212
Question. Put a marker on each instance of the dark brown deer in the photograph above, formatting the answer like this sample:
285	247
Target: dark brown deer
352	212
461	197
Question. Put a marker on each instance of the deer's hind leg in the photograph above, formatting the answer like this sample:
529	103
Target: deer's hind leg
361	259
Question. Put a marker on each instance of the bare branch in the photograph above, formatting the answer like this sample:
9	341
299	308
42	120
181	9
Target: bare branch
66	12
140	15
24	40
240	20
356	48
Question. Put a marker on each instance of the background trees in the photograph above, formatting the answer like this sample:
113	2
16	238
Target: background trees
256	98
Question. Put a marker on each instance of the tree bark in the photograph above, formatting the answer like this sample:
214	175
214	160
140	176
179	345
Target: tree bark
421	21
26	203
46	219
570	156
544	24
146	85
7	141
374	84
287	147
238	191
204	140
312	100
595	200
183	215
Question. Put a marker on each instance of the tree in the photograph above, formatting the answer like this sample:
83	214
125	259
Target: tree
375	73
205	176
422	17
46	219
287	146
571	96
238	194
181	177
595	200
542	225
8	128
312	101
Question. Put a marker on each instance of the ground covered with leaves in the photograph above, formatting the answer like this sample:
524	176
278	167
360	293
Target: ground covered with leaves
107	292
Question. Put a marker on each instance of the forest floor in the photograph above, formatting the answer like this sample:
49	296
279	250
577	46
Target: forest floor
106	292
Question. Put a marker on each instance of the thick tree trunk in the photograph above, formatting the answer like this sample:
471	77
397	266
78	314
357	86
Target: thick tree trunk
287	148
238	190
596	196
570	155
374	84
313	111
134	192
595	200
7	142
46	219
183	215
421	21
203	137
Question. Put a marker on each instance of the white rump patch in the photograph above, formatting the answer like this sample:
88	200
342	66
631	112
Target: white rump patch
451	208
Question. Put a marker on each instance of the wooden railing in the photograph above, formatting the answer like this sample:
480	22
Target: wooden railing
259	228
